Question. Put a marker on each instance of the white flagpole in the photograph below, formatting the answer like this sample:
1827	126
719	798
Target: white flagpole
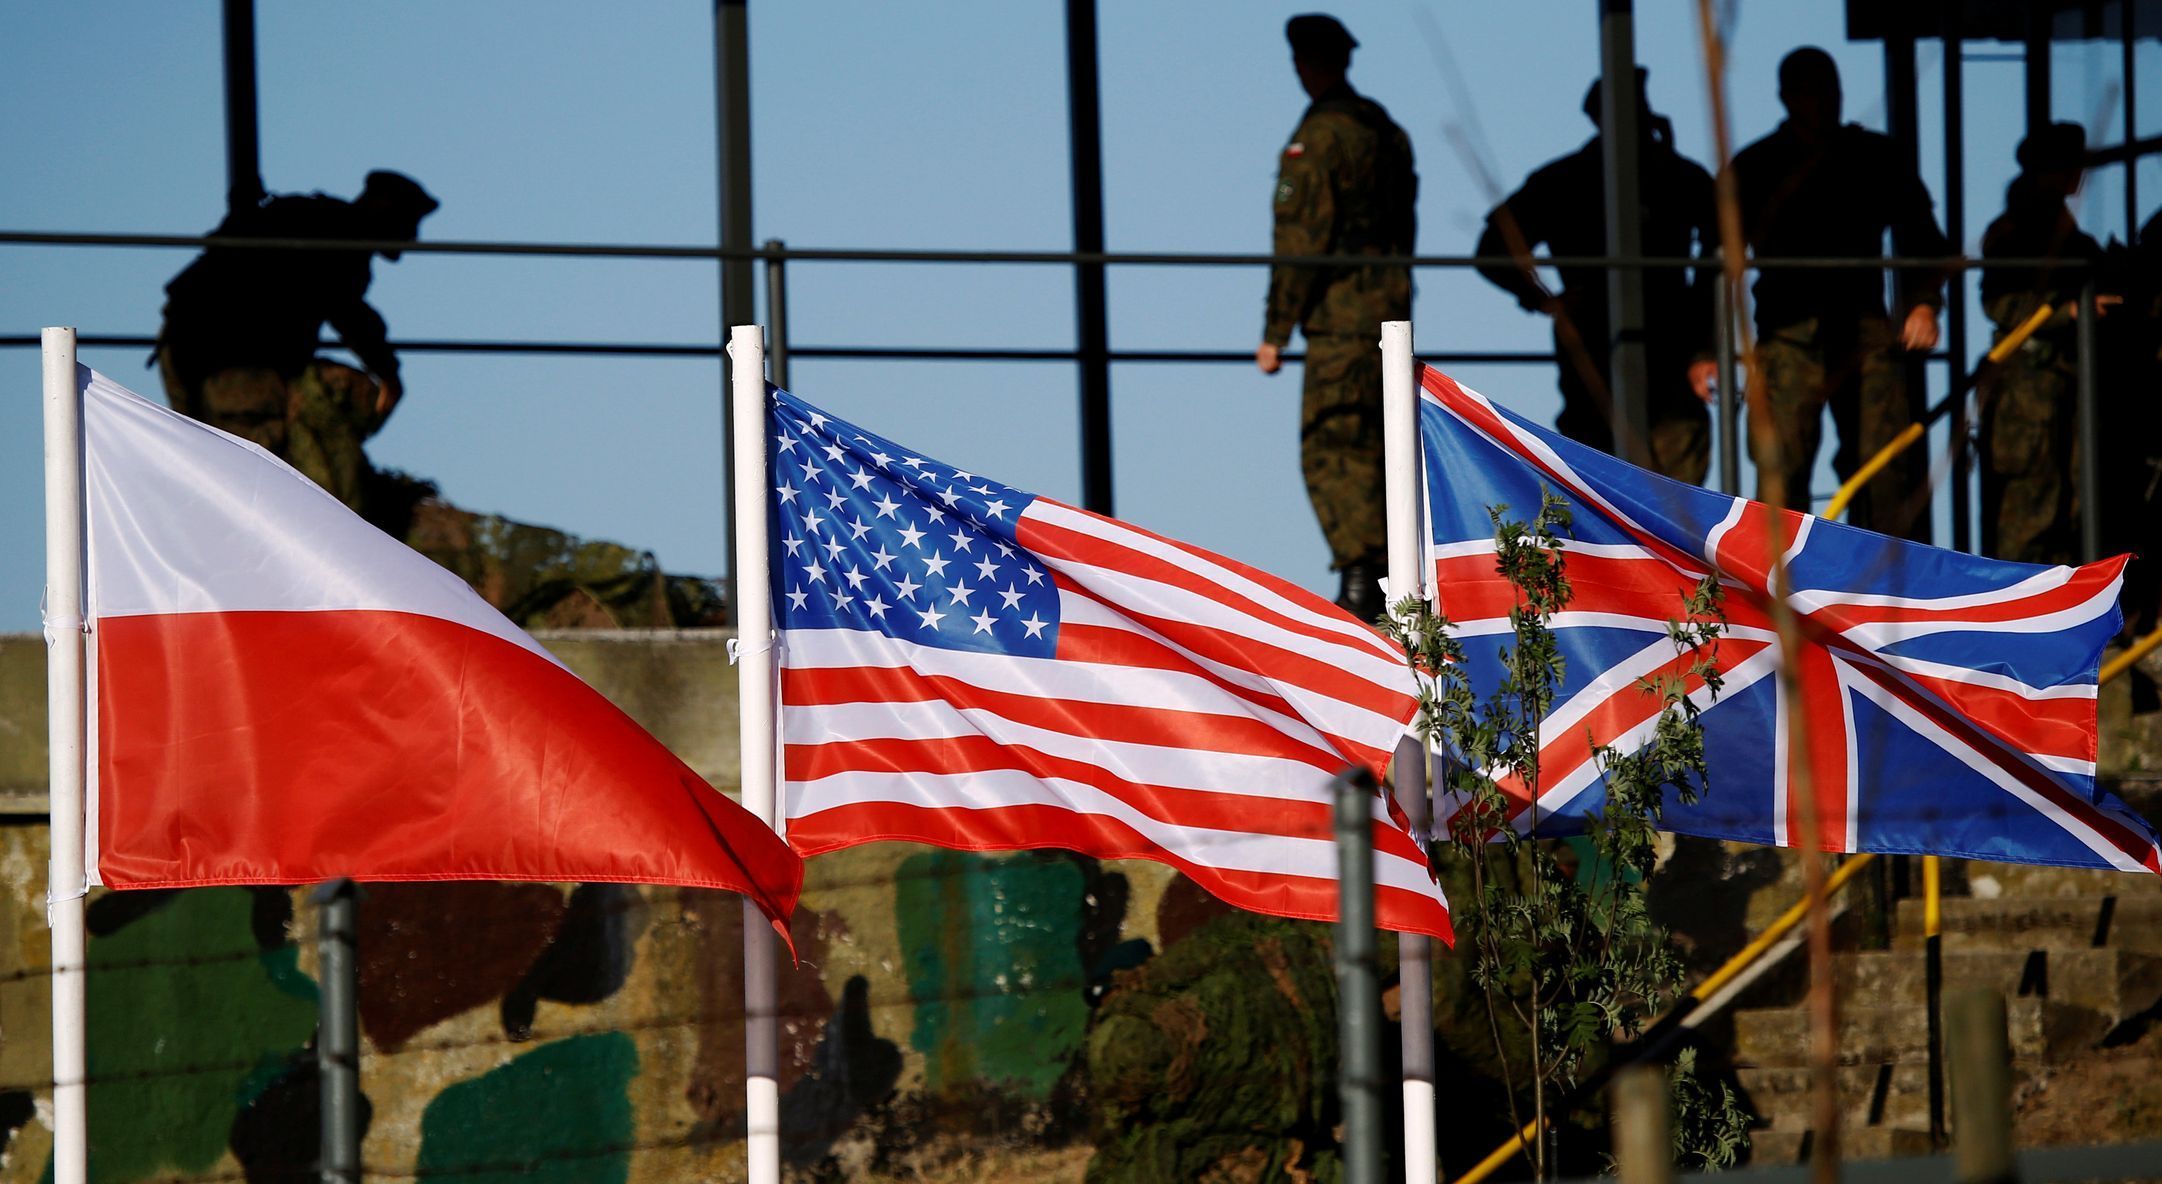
1407	576
753	609
64	884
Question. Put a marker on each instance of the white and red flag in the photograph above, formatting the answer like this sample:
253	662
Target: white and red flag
966	664
280	693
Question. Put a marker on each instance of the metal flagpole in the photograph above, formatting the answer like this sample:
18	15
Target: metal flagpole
65	882
1407	529
754	674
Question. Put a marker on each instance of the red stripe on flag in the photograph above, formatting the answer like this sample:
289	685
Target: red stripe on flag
1014	828
823	686
291	747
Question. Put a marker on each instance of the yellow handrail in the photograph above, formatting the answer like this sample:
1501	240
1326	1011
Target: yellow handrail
2125	661
1735	966
1913	431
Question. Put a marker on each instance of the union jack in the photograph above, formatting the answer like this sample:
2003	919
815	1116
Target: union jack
1950	699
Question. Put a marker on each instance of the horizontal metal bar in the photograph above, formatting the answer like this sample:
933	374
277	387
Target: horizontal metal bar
827	352
1059	258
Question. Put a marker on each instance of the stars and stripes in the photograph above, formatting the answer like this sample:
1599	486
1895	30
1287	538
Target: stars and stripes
970	665
1950	699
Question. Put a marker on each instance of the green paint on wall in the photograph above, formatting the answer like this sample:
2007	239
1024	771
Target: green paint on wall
994	966
560	1114
188	1020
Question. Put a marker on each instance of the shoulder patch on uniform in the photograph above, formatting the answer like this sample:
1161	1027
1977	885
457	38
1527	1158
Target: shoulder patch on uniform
1295	149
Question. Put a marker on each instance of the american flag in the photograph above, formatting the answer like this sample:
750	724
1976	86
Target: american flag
1950	699
973	666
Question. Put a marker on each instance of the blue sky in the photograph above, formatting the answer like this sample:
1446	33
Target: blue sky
875	125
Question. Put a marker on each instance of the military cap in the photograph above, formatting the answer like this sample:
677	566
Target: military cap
2057	148
399	192
1317	32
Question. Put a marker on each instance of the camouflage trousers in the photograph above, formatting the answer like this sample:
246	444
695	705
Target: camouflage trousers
2030	509
1853	369
316	422
1340	445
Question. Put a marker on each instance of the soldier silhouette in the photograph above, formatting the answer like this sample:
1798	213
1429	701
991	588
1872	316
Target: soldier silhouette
2029	508
238	346
1818	188
1563	207
1345	186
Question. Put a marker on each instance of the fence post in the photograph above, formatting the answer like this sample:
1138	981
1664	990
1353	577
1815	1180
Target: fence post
1358	990
2090	436
1980	1062
777	312
337	1037
1643	1128
1730	395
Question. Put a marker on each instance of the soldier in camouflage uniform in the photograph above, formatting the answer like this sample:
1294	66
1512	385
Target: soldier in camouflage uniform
1345	186
1817	188
241	325
1562	206
2029	509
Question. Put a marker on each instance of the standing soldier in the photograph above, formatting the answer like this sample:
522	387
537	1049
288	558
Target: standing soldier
1817	188
1345	186
241	325
1563	206
2029	512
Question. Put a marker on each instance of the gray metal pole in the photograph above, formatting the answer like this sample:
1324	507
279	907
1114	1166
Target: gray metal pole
1627	379
1730	395
732	155
243	143
1955	296
1092	324
2090	432
1358	989
2127	14
1981	1069
777	313
1643	1128
2037	60
337	1039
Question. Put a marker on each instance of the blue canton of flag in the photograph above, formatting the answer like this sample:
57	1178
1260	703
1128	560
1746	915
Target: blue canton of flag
874	537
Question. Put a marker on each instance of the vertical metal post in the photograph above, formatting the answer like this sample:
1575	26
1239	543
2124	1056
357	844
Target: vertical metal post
1643	1129
2090	434
2039	17
1933	988
1404	485
2127	21
1981	1065
732	158
65	708
1358	990
1092	325
1730	395
337	1037
777	312
243	146
1903	120
1955	296
1627	376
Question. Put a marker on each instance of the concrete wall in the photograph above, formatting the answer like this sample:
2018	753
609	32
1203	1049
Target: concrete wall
937	1017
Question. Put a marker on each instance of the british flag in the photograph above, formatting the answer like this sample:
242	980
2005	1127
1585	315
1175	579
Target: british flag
1948	701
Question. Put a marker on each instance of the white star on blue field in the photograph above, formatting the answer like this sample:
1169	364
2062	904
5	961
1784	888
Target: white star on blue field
868	535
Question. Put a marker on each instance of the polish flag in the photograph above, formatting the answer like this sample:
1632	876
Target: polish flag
282	694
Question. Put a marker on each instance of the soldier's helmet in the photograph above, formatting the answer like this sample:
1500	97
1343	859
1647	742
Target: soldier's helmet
398	195
2057	148
1319	35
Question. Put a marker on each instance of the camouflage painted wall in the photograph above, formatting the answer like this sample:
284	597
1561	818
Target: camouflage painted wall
585	1033
940	1026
